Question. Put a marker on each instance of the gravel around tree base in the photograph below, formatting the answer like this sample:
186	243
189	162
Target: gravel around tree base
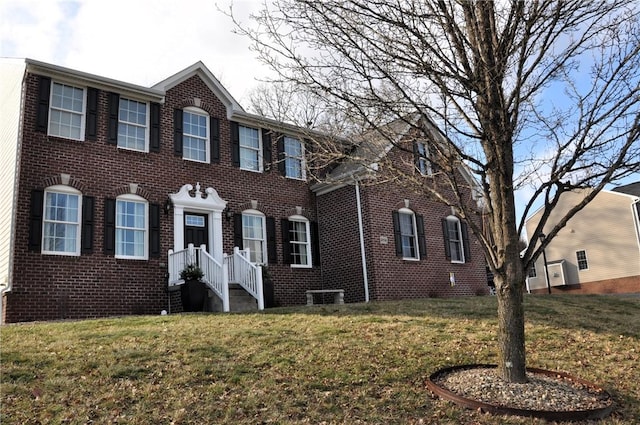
541	392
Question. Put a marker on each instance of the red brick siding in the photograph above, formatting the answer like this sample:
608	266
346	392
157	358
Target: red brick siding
52	287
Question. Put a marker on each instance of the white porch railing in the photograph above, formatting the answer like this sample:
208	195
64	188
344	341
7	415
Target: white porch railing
236	268
214	274
246	274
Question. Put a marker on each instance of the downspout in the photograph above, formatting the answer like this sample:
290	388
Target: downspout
363	254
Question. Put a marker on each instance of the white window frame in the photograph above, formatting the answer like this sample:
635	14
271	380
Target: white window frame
199	112
586	260
252	256
258	150
300	159
414	235
82	114
306	245
140	200
460	241
533	272
424	160
134	124
64	190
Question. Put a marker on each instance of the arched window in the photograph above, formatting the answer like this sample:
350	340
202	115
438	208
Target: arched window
455	237
131	226
409	234
296	234
61	220
254	235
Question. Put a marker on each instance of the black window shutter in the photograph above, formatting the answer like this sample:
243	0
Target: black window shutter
465	241
35	220
91	128
315	244
397	235
445	235
114	106
422	244
214	124
154	136
281	156
42	113
237	231
154	230
272	252
286	242
177	131
235	144
266	149
87	224
109	226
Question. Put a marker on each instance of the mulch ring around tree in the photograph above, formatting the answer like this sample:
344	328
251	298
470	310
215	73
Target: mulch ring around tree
550	395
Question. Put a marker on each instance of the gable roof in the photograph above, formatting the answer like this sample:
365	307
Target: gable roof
209	79
629	189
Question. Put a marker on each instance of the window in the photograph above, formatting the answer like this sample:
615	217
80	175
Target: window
61	221
194	220
67	110
131	227
254	235
132	125
423	164
532	271
299	241
195	135
294	158
408	235
454	240
581	256
250	149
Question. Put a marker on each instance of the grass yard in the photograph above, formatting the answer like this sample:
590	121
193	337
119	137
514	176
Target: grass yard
352	364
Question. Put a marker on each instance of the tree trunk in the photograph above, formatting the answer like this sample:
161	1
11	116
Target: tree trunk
511	347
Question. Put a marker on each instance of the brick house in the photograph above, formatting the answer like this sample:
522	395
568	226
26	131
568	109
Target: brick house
107	183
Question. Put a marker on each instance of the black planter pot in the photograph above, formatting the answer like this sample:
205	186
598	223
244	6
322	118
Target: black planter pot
193	294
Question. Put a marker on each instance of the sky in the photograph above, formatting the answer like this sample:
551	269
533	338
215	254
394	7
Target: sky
141	41
136	41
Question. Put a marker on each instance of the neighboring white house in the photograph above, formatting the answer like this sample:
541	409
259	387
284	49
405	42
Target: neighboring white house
598	251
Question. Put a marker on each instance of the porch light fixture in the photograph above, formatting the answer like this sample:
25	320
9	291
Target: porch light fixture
167	206
228	214
544	258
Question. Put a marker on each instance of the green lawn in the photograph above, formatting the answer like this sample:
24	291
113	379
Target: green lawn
363	363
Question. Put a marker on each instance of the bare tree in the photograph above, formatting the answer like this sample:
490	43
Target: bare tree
542	93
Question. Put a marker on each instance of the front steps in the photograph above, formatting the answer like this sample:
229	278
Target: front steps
239	300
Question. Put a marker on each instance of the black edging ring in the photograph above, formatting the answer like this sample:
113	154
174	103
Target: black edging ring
496	409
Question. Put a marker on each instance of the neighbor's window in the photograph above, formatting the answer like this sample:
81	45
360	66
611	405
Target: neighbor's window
581	256
66	111
195	135
294	158
254	235
250	148
131	227
454	234
299	241
133	125
61	223
532	271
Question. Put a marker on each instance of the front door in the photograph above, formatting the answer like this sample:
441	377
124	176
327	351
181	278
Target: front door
196	229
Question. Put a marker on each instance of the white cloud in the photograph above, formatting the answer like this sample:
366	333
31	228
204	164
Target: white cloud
137	41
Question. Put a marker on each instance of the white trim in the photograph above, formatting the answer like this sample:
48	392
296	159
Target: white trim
208	203
128	197
67	190
307	226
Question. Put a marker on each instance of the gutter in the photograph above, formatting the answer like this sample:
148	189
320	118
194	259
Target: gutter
363	254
